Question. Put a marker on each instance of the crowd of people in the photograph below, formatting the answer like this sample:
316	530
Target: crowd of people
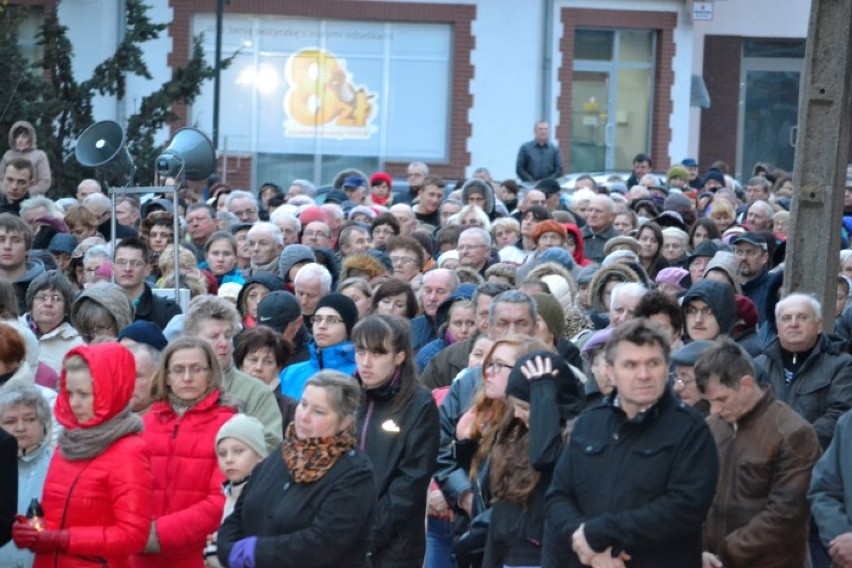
497	374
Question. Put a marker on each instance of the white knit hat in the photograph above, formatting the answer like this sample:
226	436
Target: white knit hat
247	429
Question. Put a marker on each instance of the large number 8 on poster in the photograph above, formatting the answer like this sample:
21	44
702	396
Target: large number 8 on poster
316	80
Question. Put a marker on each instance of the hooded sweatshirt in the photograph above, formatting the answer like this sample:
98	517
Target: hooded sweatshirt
719	297
41	166
111	297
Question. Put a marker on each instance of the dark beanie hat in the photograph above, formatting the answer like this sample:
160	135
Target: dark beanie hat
344	306
569	390
146	332
551	312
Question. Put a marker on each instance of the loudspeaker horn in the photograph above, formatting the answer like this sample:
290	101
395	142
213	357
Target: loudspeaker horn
102	146
191	149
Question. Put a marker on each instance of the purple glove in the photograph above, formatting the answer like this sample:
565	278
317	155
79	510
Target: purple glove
242	554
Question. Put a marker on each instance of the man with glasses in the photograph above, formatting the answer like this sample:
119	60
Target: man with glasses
685	387
244	205
200	224
805	368
709	310
752	256
383	229
415	174
265	243
475	249
130	268
407	257
317	234
312	282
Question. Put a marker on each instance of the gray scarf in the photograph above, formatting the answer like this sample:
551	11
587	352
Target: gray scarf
86	443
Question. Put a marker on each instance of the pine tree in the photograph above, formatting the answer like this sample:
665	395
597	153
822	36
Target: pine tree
49	95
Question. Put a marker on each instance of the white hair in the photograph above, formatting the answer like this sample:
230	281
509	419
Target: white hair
40	201
283	215
98	251
313	270
483	234
816	307
270	228
581	195
627	290
239	194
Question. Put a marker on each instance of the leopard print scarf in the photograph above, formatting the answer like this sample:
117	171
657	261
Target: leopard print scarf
311	458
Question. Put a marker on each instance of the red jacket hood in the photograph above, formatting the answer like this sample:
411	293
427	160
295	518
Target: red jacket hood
578	238
113	370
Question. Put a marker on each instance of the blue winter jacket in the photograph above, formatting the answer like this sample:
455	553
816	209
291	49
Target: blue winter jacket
340	357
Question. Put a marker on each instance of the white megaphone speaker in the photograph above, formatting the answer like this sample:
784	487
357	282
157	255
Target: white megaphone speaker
102	146
190	152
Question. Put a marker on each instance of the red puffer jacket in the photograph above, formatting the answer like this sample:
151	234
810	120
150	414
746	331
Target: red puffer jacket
188	499
103	502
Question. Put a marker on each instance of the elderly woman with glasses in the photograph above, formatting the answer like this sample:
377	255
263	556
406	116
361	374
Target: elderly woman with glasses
49	298
180	431
331	348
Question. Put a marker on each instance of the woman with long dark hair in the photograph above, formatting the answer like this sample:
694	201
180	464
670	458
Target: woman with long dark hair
544	399
650	237
398	429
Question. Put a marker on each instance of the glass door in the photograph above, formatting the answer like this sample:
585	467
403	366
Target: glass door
611	98
769	113
591	129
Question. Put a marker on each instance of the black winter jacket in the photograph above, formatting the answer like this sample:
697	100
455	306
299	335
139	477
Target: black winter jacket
821	386
321	524
643	486
402	447
155	309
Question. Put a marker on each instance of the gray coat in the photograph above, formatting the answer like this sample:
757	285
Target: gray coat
830	494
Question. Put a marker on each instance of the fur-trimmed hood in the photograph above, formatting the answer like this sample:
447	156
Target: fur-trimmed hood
602	276
477	184
30	130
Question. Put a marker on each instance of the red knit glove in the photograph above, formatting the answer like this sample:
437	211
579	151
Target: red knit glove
25	536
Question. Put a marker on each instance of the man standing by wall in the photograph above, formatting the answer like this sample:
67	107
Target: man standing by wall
538	158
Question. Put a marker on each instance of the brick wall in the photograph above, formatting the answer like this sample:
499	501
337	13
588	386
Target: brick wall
722	66
458	15
664	23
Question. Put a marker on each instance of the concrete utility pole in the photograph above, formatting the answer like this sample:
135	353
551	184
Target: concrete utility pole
819	174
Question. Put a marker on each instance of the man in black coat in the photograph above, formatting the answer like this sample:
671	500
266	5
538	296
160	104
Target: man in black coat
131	269
8	485
635	483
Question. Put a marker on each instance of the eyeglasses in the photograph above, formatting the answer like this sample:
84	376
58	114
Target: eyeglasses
692	310
45	297
497	366
684	383
134	263
193	371
328	320
315	235
403	260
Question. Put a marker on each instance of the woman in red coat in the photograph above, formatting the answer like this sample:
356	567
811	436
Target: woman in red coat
97	494
181	431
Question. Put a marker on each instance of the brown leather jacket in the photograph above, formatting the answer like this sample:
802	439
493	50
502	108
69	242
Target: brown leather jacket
759	517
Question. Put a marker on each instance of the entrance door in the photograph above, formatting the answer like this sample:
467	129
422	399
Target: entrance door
591	129
612	85
769	113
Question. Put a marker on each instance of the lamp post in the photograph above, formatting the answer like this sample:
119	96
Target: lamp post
217	79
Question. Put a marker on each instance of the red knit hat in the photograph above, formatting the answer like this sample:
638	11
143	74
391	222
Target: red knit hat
379	177
549	226
311	214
